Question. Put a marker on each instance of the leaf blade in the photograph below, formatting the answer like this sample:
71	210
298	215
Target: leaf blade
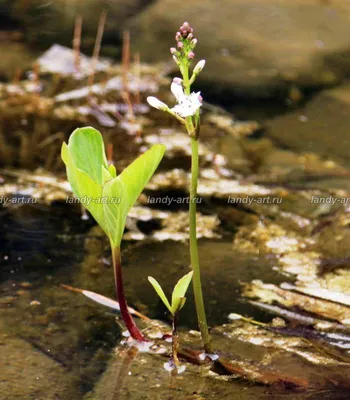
178	296
83	186
114	210
88	152
142	168
160	292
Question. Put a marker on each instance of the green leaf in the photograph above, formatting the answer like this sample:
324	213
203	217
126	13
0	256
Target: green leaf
83	187
178	297
112	171
88	152
115	209
109	197
126	188
160	293
136	176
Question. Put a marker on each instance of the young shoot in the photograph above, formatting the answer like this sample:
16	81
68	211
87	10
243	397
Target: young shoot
178	300
108	197
187	111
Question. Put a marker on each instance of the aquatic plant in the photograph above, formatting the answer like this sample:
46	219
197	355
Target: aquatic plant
178	300
106	196
187	112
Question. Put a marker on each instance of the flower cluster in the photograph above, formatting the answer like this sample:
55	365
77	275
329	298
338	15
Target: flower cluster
188	104
185	44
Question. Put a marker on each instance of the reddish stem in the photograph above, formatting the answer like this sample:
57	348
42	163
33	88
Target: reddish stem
118	279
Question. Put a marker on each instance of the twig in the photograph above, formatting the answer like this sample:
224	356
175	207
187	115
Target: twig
17	76
137	69
125	74
77	41
97	47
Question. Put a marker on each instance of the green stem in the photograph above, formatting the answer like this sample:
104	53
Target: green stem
197	285
119	287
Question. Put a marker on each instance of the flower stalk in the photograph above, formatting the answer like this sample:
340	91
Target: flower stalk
187	111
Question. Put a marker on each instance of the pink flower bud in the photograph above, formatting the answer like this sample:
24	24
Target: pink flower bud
185	25
191	55
194	43
180	45
178	36
173	50
190	36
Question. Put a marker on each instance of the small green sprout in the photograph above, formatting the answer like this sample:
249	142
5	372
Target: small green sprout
178	300
106	196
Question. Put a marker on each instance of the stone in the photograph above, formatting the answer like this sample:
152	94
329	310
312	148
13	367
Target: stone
15	56
255	48
322	126
47	22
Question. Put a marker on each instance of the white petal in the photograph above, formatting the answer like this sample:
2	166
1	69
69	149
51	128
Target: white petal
177	91
154	102
188	106
196	99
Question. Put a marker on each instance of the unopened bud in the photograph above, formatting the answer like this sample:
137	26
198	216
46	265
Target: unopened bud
177	80
190	36
173	50
180	45
191	55
185	25
194	42
154	102
178	36
199	66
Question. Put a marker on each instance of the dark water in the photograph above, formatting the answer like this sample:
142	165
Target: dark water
43	247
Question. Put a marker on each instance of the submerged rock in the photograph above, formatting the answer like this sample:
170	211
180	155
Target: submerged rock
29	373
321	126
47	22
254	48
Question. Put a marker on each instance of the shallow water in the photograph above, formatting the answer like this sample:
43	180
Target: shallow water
43	248
61	344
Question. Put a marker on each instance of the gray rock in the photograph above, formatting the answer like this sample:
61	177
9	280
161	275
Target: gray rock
257	48
47	22
322	126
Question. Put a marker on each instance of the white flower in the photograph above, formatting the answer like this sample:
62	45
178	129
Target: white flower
187	105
